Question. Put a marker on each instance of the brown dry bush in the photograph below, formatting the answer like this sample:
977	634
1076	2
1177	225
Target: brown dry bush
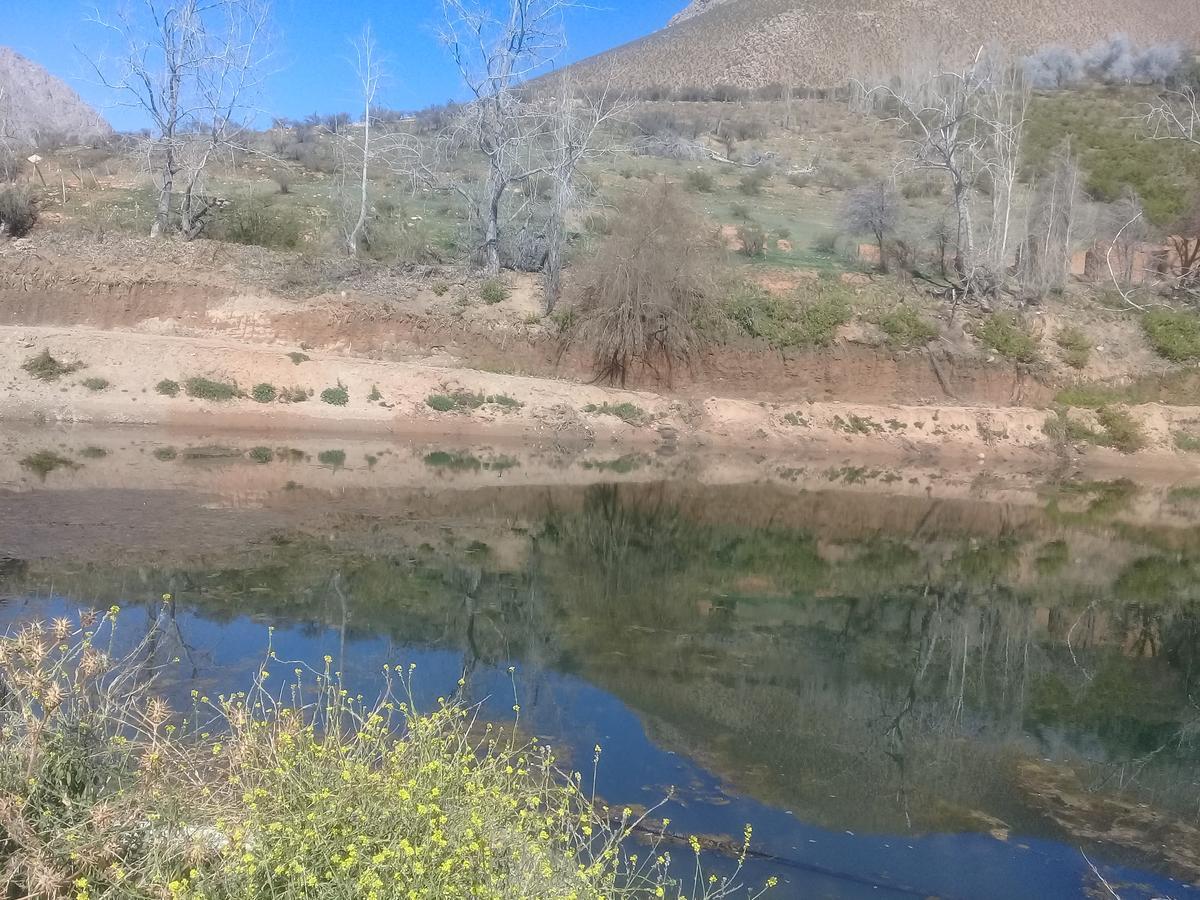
640	297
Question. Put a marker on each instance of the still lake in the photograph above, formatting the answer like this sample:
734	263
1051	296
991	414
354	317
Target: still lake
912	681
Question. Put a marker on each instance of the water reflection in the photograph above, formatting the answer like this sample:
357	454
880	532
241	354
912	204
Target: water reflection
904	694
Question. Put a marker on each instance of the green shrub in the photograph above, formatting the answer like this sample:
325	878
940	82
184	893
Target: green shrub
1075	345
297	357
165	454
96	384
18	211
465	400
294	395
440	402
374	396
45	367
1186	441
43	462
335	396
1007	335
167	388
93	453
699	181
439	288
906	327
1174	335
626	412
790	321
264	393
260	224
1121	431
261	454
335	459
208	389
493	291
739	211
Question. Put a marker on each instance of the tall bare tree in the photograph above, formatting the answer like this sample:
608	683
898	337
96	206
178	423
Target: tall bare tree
354	185
965	123
496	47
571	138
1175	115
192	67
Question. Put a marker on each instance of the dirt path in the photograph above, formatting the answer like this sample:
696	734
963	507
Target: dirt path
391	398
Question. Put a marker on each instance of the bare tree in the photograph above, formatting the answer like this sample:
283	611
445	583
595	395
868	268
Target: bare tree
192	67
965	123
572	138
494	54
8	153
874	209
355	212
1175	116
1051	226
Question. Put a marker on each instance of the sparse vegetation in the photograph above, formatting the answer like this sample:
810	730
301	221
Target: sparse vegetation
699	181
261	454
811	319
209	389
165	454
1186	441
297	357
43	462
906	327
1009	336
333	459
264	393
336	396
96	383
374	396
167	388
461	401
626	412
18	210
440	288
1174	335
93	452
45	367
493	291
1075	346
753	240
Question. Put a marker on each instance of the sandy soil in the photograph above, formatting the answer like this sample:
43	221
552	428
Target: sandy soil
549	411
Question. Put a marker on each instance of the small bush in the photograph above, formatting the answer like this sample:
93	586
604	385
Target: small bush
440	402
294	395
1186	441
906	327
740	211
165	454
43	462
493	291
261	454
626	412
826	242
753	239
96	384
93	453
1120	430
789	321
259	224
1008	336
439	288
1174	335
45	367
18	211
208	389
264	393
699	181
167	388
1075	346
374	396
751	184
335	396
334	459
297	357
465	400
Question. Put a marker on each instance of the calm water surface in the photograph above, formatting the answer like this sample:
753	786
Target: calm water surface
913	683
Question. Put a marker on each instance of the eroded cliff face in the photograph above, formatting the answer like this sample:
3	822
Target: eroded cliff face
36	106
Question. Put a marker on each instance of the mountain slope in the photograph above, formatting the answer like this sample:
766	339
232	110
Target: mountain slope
34	104
823	43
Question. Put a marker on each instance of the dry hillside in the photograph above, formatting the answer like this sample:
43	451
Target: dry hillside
37	108
823	43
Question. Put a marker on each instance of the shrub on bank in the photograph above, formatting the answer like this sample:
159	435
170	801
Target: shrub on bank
109	793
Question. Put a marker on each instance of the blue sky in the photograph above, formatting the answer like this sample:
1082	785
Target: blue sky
310	68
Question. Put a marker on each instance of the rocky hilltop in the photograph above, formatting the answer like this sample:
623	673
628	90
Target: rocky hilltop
36	107
823	43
